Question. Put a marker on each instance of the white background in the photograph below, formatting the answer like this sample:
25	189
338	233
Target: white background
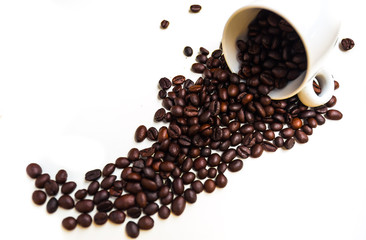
78	76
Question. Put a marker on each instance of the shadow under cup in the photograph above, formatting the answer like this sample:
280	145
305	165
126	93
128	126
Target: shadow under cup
250	25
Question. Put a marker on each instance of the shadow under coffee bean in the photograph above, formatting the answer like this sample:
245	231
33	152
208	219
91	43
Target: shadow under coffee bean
273	53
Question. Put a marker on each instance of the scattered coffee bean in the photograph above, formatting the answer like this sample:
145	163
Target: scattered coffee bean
66	202
61	176
34	170
195	8
69	223
68	187
100	218
141	133
39	197
117	216
333	114
347	44
93	175
178	205
84	220
164	24
188	51
132	229
41	180
145	223
52	205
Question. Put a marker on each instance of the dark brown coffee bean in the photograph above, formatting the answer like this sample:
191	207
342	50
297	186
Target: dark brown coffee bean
256	151
41	180
134	212
195	8
122	162
188	51
52	205
301	137
165	83
69	223
178	186
198	67
269	147
84	206
236	165
146	223
34	170
209	186
61	176
68	187
51	188
159	115
132	229
39	197
347	44
93	187
125	201
243	151
93	175
151	209
141	133
178	205
100	218
289	143
117	216
221	180
333	114
197	186
100	196
287	133
149	185
81	194
278	141
107	182
84	220
164	212
228	155
164	24
66	202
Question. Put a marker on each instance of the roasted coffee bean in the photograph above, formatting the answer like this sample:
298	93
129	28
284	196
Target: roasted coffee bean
164	212
61	176
178	205
100	218
84	206
132	229
190	195
125	201
39	197
146	223
243	151
279	142
66	202
301	137
287	133
133	154
117	216
141	133
149	185
165	83
256	151
347	44
198	68
68	187
235	165
93	175
34	170
41	180
209	186
221	180
197	186
100	196
164	24
122	162
84	220
152	133
195	8
134	212
159	115
269	147
289	143
228	155
151	209
69	223
51	188
333	114
52	205
188	51
107	182
178	186
93	187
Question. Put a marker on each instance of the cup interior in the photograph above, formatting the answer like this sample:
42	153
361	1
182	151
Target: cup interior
236	29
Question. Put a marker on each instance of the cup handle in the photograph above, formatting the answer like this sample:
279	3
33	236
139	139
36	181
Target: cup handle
326	82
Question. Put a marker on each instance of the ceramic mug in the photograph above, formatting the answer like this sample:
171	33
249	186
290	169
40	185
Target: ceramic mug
317	25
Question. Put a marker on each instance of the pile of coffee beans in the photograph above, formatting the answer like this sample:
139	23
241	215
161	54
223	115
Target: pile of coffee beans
212	124
272	55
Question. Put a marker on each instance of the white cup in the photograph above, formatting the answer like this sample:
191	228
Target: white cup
317	25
